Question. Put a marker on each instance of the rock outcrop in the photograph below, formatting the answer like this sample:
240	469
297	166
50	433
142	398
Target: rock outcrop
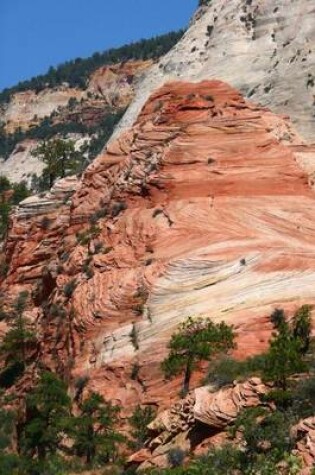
304	431
117	83
204	208
197	421
21	164
111	86
263	48
27	108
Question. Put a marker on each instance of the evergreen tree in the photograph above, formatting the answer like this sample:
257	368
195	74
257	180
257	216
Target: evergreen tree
20	336
60	157
302	327
195	340
9	462
93	430
285	355
47	417
139	422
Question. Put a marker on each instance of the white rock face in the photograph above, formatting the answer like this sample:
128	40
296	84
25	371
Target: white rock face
24	106
264	48
21	164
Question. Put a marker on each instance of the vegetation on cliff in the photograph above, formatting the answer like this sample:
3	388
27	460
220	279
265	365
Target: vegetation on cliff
46	130
10	195
195	341
77	71
54	433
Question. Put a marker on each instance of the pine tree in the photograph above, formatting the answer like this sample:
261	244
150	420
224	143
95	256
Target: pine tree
60	157
20	336
196	340
93	430
139	423
48	415
285	356
302	327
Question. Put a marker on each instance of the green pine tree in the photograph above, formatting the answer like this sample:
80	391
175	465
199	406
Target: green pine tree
47	417
196	340
20	336
285	356
93	431
60	157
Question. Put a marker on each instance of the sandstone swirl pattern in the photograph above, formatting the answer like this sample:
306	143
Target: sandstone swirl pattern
206	208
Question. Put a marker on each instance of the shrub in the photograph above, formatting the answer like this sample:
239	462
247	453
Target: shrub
135	371
134	337
139	421
45	223
226	370
69	288
117	208
176	457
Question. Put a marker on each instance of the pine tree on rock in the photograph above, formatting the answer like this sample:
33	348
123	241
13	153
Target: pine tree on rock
196	340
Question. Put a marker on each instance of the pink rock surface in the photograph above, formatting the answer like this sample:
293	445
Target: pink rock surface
205	207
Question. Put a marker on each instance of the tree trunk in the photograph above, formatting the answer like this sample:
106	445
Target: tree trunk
187	375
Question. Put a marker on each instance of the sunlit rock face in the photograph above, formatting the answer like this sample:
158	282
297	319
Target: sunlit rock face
179	426
205	207
265	49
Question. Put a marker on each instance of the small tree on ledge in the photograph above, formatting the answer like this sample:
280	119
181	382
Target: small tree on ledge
196	340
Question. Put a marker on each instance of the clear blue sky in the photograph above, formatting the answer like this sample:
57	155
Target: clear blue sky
35	34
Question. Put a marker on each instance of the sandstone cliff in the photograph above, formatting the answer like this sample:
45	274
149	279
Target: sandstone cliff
264	48
204	208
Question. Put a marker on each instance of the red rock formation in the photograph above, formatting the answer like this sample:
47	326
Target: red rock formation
305	433
178	426
202	208
116	83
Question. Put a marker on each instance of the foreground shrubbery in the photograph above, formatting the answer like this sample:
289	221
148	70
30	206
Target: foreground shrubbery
56	434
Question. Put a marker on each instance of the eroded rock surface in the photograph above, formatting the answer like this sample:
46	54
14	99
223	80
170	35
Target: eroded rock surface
264	48
179	426
305	432
204	208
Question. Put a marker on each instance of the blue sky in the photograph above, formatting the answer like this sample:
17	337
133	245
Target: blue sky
35	34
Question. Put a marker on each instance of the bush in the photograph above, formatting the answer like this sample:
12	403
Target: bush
69	288
117	208
225	370
45	223
176	457
139	422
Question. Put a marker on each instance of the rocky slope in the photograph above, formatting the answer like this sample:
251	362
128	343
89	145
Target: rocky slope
204	208
197	422
110	89
263	48
109	86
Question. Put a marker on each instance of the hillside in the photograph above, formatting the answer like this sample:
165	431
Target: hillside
193	231
203	208
75	98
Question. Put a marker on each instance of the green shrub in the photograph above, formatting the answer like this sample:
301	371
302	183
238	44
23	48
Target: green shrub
176	457
69	288
226	369
139	421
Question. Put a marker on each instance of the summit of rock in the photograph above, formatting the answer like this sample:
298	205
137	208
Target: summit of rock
265	49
